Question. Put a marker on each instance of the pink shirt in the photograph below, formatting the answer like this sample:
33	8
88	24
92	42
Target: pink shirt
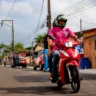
60	34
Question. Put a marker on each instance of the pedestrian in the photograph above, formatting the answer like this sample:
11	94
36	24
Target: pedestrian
45	52
4	61
17	60
14	60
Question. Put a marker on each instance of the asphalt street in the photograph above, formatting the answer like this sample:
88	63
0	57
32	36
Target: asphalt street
27	82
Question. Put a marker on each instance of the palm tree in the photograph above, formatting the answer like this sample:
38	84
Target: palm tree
18	47
39	38
4	49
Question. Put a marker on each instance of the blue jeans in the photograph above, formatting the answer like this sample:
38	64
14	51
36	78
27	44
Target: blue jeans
53	63
45	62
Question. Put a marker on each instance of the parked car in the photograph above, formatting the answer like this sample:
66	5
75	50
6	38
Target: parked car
38	61
21	61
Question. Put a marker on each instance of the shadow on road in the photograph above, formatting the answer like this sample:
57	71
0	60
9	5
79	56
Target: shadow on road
88	76
32	78
41	90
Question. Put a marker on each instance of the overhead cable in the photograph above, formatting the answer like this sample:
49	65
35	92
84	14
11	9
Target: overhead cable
10	10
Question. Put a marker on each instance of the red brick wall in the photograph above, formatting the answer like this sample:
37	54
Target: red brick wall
89	48
89	45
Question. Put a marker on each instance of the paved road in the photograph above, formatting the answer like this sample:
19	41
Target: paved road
26	82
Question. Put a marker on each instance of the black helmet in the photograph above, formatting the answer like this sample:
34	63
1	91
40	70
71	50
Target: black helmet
54	23
63	18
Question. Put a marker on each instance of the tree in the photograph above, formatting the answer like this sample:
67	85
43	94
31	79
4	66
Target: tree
4	49
18	47
39	38
28	48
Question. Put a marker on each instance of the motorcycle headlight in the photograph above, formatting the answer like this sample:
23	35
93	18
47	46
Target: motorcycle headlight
68	44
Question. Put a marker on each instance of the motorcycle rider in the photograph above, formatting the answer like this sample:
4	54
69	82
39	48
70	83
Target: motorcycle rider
54	24
59	32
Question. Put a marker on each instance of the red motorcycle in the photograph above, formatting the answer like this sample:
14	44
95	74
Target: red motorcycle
68	72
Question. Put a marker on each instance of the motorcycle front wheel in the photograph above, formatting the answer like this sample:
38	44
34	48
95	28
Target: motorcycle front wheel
75	79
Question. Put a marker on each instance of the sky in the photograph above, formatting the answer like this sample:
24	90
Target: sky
26	13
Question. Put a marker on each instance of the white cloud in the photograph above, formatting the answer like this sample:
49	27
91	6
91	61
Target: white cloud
23	8
29	12
19	9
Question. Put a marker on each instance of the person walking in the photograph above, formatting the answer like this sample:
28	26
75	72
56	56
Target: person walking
45	52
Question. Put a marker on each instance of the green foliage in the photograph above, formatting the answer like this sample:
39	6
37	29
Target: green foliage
39	38
18	47
28	48
4	49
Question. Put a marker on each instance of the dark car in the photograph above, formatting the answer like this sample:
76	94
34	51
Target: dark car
19	61
38	61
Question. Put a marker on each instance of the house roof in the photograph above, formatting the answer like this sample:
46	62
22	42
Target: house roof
38	48
37	44
86	31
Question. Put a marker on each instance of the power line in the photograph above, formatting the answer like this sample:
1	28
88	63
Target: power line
82	10
38	22
89	22
70	7
40	16
17	8
10	10
76	8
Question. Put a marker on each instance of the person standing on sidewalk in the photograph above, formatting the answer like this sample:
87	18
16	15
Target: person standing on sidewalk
4	61
45	52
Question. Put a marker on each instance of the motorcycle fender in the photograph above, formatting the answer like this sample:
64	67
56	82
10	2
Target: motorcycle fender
73	63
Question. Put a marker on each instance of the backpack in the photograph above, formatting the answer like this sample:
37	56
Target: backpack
45	42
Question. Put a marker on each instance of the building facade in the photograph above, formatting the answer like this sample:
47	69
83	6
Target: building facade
89	46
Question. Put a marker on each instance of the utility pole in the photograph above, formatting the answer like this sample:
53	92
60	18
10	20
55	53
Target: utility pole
81	34
12	36
12	32
49	16
32	53
80	26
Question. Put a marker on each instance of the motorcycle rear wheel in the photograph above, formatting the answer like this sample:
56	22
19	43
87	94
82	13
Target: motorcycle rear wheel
75	82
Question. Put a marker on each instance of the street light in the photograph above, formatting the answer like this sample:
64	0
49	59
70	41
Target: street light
12	32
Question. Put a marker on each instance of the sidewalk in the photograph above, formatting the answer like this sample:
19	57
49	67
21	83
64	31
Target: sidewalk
84	71
88	71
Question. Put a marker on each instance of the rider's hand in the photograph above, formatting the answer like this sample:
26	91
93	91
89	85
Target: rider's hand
76	39
79	41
